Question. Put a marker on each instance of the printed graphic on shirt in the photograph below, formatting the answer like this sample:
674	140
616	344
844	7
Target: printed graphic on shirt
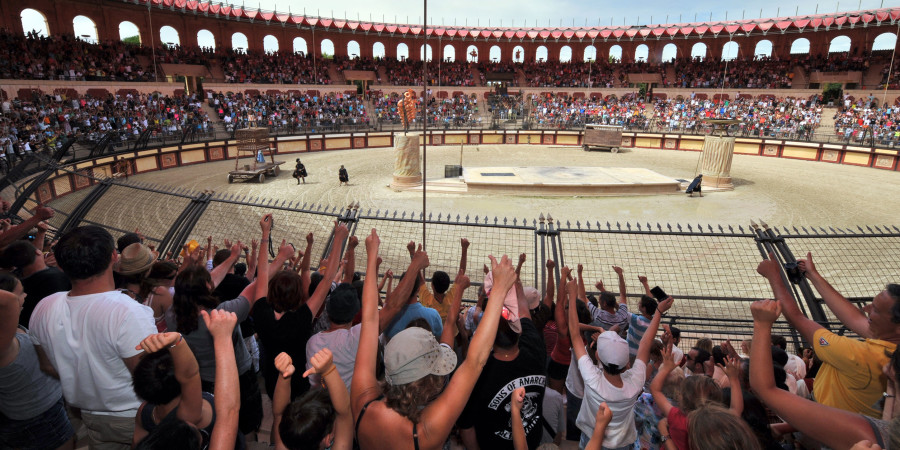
531	408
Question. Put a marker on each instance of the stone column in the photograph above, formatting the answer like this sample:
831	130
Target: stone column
407	172
715	164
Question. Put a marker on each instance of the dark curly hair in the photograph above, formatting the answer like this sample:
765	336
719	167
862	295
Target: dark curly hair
408	399
154	378
191	293
307	420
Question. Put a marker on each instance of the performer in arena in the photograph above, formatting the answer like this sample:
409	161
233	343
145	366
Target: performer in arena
300	172
343	176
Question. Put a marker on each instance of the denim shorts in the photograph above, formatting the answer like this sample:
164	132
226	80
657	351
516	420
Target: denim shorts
49	429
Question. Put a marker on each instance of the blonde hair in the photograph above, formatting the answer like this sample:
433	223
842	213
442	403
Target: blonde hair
712	427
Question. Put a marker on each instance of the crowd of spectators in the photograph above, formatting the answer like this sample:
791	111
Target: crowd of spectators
276	67
158	350
409	73
44	122
786	117
65	57
864	119
458	111
176	54
555	111
293	111
570	74
749	73
833	62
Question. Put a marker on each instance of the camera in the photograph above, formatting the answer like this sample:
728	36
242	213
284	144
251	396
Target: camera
793	272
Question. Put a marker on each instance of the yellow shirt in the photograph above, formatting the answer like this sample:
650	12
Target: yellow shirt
851	375
426	299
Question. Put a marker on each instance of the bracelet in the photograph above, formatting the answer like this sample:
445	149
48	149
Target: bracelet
886	395
330	369
180	338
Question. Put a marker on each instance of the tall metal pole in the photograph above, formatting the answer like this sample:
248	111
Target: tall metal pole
152	41
424	121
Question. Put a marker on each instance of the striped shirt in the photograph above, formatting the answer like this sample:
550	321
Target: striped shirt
637	325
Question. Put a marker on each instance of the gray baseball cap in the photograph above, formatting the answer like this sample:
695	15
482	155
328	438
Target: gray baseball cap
414	353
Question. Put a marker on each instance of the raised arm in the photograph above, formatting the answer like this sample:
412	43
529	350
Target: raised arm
350	257
732	369
218	273
464	243
623	298
364	386
643	352
551	284
522	258
9	322
449	332
574	331
668	365
19	231
397	299
559	313
439	416
520	440
646	285
304	264
317	299
187	372
285	252
807	327
833	427
251	259
851	316
582	292
227	391
604	417
323	364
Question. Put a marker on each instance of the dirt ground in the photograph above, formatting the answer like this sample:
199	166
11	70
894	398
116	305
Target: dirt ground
781	192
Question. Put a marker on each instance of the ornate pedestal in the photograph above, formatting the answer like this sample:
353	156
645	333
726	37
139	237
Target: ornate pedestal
407	172
715	164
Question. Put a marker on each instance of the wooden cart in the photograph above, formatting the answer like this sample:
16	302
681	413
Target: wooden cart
250	142
602	137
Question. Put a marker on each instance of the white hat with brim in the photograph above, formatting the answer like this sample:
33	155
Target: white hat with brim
414	353
612	349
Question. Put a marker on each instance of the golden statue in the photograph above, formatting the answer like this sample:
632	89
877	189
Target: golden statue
407	109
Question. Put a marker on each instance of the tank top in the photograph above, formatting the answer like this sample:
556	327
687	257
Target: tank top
25	391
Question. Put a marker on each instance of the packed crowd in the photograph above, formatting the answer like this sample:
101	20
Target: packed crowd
409	73
570	74
458	111
289	111
176	54
863	119
555	111
277	67
65	57
786	117
750	73
157	352
44	122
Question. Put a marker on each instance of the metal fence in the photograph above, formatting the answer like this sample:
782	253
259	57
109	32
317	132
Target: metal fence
711	271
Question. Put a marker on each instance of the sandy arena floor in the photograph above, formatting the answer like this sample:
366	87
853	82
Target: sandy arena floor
781	192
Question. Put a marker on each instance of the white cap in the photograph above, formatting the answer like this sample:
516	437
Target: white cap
612	349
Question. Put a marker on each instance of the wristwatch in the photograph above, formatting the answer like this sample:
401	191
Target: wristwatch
663	439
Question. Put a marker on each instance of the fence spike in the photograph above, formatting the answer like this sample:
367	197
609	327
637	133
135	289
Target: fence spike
431	214
721	230
458	218
403	216
578	224
515	221
679	227
485	220
608	225
639	226
534	223
690	228
618	225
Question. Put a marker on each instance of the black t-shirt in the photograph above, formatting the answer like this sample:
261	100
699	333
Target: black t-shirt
39	285
231	287
288	334
489	406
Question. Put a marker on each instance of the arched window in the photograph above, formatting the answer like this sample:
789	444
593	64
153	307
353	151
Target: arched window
205	38
540	54
168	36
763	49
449	53
353	49
472	54
698	51
402	52
800	46
425	52
239	42
378	50
327	48
85	29
129	33
730	51
839	44
590	53
34	21
300	45
669	53
615	53
270	44
885	41
495	54
565	54
641	53
518	54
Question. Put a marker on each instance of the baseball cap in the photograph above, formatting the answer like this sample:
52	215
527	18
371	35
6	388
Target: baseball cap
414	353
342	304
533	296
612	349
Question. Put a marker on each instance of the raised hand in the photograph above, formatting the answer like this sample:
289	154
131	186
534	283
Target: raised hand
580	269
462	281
373	242
642	279
769	268
732	367
551	264
284	365
807	265
668	362
309	239
265	223
464	243
420	257
157	342
285	250
504	273
340	232
617	270
604	415
518	399
765	311
664	305
219	323
353	242
43	212
522	258
321	362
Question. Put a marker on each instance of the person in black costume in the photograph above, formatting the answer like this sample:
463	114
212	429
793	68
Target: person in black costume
300	172
343	177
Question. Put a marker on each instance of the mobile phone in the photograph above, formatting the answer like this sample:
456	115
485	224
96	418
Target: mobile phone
658	293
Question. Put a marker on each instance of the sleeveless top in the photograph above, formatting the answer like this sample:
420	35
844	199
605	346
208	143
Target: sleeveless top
25	391
149	425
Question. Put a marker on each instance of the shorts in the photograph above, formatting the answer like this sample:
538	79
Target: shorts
557	371
49	429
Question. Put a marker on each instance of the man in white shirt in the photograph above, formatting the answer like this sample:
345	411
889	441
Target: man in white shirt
87	337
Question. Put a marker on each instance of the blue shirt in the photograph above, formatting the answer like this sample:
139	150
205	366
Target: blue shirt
412	312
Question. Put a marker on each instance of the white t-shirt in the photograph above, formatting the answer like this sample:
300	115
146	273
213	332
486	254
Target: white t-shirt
597	389
574	382
86	339
343	345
